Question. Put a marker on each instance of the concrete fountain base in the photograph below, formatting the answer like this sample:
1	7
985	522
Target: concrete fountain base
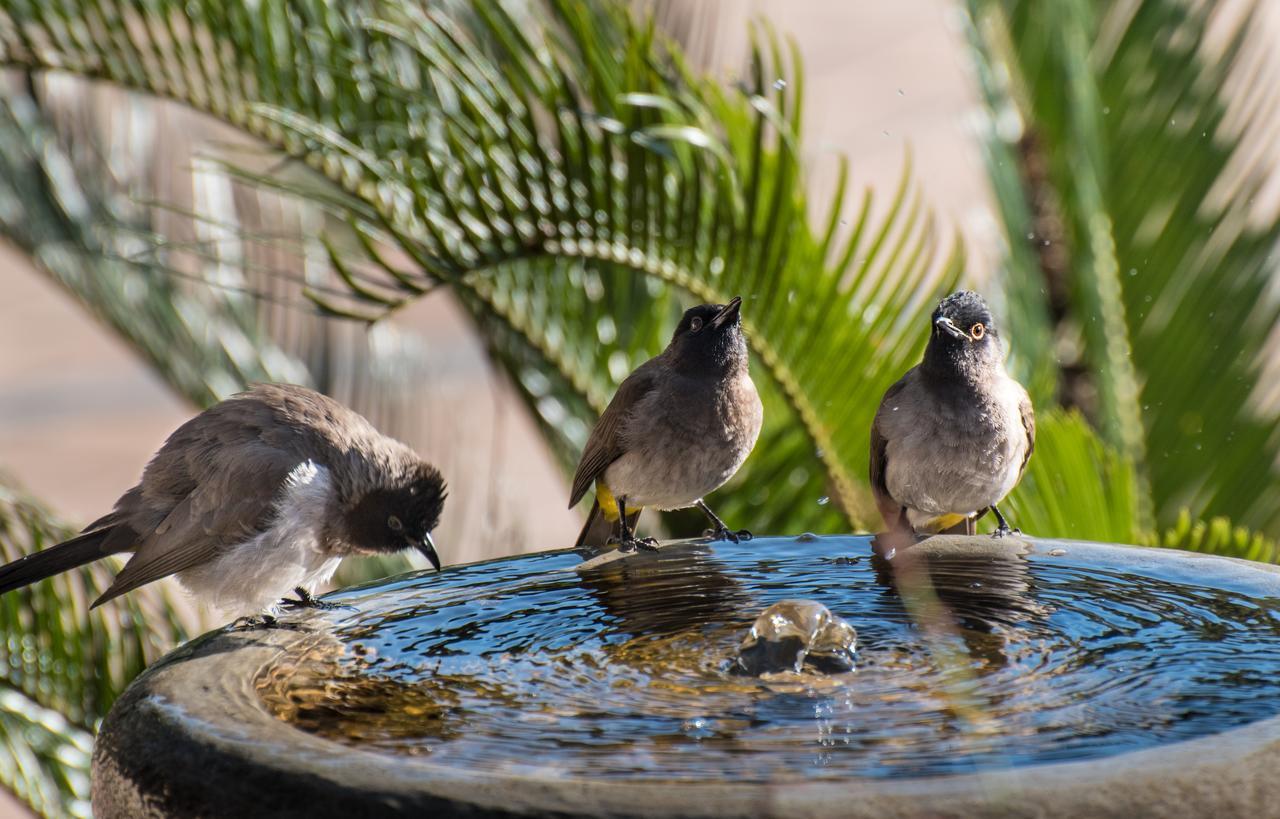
191	737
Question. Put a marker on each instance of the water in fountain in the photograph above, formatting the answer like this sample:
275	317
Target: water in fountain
529	665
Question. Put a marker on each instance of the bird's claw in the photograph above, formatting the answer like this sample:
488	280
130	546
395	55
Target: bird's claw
306	600
1005	531
647	544
254	621
725	533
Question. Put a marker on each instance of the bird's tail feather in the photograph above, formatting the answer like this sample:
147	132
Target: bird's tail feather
79	550
598	529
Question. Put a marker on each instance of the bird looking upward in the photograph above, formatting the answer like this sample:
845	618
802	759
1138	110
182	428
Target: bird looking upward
676	430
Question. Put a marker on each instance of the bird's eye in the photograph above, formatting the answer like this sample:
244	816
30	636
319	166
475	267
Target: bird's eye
695	325
394	523
977	331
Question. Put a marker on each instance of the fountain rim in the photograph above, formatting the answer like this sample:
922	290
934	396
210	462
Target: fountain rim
227	730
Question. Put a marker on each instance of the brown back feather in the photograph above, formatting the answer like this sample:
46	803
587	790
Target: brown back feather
606	443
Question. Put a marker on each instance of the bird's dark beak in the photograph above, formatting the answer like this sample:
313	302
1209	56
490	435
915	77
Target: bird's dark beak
947	326
428	549
728	314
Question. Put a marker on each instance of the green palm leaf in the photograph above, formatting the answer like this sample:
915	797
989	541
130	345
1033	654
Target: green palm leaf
1148	188
1076	485
559	174
63	664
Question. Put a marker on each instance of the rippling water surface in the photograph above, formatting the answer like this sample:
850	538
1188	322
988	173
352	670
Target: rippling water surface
528	666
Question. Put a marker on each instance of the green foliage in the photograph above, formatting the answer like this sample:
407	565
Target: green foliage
561	174
566	168
206	346
1218	536
1076	485
1160	266
62	664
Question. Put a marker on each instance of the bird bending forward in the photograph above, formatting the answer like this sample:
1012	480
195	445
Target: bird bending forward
258	495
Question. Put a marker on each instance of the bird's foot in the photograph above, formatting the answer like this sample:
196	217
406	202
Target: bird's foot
306	600
254	621
631	544
1005	531
725	533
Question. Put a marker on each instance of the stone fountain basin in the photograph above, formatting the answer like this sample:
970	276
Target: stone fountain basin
192	737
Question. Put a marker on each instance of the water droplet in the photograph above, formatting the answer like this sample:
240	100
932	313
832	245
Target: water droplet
1106	109
824	500
901	93
1031	236
1057	552
806	537
779	84
1133	271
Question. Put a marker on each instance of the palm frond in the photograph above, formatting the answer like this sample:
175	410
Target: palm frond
559	174
1076	485
1127	155
1217	536
62	664
206	347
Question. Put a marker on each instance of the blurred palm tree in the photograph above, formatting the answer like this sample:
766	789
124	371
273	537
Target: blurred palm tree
573	181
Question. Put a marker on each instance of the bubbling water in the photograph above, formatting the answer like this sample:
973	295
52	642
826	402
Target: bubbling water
528	665
792	635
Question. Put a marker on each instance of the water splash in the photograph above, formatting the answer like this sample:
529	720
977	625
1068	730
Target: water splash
792	635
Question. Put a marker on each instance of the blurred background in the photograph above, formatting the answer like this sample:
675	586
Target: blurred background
470	220
886	80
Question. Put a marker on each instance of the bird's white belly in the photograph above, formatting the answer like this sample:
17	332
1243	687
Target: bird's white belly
932	472
691	476
252	577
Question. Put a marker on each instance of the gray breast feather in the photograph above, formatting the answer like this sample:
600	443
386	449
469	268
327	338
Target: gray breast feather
682	444
949	457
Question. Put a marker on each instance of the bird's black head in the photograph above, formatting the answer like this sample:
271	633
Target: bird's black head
400	515
709	339
963	342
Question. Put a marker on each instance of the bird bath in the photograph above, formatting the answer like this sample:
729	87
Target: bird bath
1044	678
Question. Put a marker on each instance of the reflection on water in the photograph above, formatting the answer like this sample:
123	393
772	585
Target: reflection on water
525	665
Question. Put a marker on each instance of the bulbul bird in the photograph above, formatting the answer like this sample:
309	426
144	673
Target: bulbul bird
261	493
676	430
952	438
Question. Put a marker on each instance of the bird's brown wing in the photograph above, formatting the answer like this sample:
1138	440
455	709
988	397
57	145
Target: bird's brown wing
890	509
234	500
605	444
1029	425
